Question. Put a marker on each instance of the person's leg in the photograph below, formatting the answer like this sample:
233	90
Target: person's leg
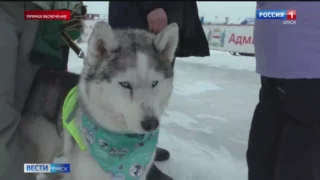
299	148
156	174
25	71
13	51
9	116
266	127
173	62
163	154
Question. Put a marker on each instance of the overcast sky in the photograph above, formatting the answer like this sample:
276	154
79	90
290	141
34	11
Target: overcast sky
209	10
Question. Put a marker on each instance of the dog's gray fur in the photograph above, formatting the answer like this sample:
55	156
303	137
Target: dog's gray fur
114	58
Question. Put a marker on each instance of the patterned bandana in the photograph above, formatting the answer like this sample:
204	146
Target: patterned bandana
124	156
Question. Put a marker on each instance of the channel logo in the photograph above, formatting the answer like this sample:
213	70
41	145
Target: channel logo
47	168
59	168
276	14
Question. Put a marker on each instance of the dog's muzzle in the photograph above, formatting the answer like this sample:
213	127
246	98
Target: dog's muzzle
150	123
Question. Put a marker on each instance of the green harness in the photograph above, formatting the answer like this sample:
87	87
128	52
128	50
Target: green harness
123	156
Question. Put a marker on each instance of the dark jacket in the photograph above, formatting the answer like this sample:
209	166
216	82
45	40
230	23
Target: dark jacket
192	40
47	50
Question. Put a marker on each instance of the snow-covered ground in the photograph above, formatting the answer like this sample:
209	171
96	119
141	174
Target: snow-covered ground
206	125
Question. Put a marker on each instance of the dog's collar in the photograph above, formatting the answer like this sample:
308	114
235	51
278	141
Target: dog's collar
87	120
120	155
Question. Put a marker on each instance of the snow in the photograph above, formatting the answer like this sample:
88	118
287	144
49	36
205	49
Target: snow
206	125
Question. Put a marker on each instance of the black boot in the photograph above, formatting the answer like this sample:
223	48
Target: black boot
156	174
161	154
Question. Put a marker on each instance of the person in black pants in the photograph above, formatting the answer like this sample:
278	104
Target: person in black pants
284	139
285	130
155	16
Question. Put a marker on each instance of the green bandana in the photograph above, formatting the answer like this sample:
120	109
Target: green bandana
124	156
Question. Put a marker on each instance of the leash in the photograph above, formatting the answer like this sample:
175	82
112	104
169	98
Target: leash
74	24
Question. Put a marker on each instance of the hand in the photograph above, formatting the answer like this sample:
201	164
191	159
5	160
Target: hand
157	20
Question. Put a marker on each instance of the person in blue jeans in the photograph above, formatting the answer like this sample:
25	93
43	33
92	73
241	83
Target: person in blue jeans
284	140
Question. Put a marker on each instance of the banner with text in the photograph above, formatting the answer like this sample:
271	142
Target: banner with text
230	38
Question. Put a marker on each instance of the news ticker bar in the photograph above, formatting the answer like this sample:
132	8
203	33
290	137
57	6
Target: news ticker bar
47	15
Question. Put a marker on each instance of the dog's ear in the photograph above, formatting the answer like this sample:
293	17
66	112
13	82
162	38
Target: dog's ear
102	42
166	41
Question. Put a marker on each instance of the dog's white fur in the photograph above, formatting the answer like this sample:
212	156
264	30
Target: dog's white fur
111	105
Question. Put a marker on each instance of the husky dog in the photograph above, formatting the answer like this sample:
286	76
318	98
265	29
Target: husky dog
125	86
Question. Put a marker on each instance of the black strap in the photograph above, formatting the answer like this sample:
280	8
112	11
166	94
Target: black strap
74	24
72	45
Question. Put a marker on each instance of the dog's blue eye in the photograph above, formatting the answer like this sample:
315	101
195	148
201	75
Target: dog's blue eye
154	84
125	84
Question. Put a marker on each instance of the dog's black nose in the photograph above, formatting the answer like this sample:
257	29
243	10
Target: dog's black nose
150	123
